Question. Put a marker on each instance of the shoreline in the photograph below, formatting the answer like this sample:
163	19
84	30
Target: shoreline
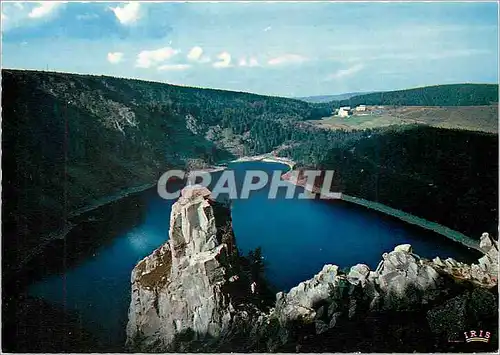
414	220
375	206
268	158
110	199
401	215
61	233
131	191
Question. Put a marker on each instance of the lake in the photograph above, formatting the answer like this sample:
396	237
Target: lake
297	237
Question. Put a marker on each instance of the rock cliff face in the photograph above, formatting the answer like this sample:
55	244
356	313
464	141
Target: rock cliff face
179	287
191	295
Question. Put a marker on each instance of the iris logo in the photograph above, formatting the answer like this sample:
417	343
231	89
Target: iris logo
474	336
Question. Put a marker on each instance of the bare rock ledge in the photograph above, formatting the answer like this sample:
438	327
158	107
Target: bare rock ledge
185	296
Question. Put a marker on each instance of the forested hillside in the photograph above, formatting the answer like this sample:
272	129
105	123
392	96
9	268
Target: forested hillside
69	140
446	176
439	95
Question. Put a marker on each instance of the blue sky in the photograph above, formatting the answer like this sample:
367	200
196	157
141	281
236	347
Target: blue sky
286	49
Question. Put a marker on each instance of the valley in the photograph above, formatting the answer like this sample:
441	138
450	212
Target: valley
157	177
80	154
56	127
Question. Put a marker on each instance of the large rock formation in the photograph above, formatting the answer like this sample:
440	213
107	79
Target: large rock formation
192	294
179	287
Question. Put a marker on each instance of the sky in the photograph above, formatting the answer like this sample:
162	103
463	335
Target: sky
283	49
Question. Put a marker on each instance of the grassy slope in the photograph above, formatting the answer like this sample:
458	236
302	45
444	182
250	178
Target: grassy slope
477	118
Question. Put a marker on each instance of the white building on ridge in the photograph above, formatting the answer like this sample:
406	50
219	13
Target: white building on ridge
344	111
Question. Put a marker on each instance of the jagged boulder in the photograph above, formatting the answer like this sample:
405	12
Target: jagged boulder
405	248
300	302
179	287
484	273
183	299
358	274
401	280
489	262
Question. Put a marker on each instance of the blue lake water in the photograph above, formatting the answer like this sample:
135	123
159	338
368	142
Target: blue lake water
297	238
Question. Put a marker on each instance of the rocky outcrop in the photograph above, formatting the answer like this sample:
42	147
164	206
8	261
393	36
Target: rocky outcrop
484	273
179	287
191	293
447	295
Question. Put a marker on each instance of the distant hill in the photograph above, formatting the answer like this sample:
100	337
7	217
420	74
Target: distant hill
439	95
330	98
70	141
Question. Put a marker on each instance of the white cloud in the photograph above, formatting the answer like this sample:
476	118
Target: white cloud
195	53
146	59
44	9
342	73
268	28
19	5
287	59
225	60
128	14
174	67
242	62
115	57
